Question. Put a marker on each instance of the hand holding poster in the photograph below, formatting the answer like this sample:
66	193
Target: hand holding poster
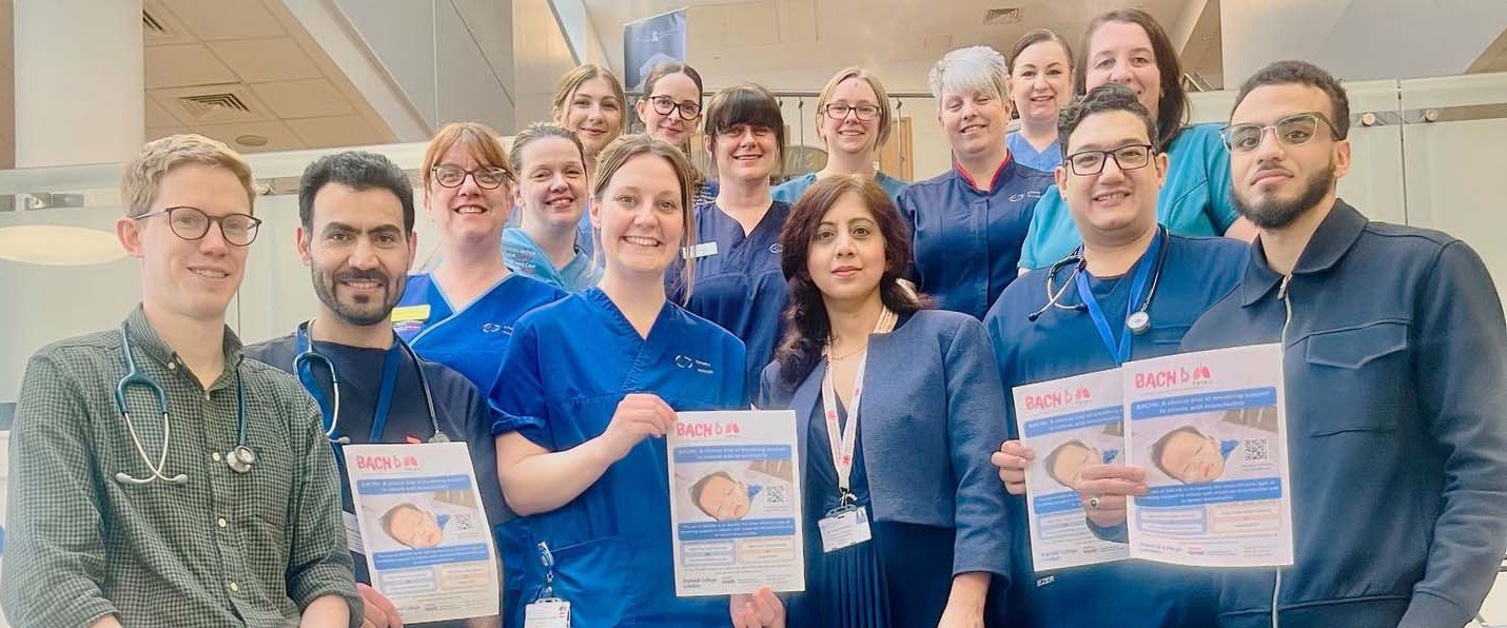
426	538
735	503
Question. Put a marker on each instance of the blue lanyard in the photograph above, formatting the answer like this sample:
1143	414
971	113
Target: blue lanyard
1121	351
384	395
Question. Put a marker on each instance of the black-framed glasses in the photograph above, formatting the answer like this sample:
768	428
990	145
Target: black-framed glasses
664	105
191	223
1091	162
1290	131
451	176
864	111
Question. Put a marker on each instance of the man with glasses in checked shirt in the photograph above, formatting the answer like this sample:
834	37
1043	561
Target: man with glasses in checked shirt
127	508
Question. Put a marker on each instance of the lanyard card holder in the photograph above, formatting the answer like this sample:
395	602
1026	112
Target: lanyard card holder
845	526
547	611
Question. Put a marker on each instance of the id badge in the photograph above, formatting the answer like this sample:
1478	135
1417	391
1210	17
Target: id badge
700	250
547	613
844	527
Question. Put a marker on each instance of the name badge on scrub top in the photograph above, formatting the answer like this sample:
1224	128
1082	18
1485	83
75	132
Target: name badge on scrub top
547	613
700	250
844	527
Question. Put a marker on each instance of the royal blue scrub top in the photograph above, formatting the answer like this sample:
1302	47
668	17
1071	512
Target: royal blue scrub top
570	364
472	339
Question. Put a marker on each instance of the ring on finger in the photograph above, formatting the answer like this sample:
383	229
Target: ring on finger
1093	502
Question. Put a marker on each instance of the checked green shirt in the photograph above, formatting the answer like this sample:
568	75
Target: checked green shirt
223	549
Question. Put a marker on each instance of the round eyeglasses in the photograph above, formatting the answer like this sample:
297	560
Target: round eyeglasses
664	105
191	223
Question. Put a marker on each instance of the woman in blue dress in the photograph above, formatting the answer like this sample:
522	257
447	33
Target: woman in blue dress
552	194
461	314
910	401
853	120
1041	83
967	224
590	386
735	243
1129	46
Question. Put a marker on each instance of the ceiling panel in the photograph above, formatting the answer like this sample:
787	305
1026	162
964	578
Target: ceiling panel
265	60
184	65
172	29
213	20
335	131
156	116
156	132
276	134
303	99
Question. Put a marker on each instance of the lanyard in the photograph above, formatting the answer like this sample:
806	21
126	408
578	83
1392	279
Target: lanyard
384	395
843	441
1121	351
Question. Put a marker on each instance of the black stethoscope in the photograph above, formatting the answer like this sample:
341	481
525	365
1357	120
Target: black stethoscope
240	459
1137	319
303	367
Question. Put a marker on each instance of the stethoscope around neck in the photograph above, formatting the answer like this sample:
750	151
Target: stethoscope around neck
303	368
240	459
1137	321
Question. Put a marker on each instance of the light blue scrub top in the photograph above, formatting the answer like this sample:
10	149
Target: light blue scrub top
1197	272
522	255
1195	199
791	191
1045	161
473	339
570	364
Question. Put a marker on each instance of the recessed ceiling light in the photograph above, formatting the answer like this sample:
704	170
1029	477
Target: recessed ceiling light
251	140
58	245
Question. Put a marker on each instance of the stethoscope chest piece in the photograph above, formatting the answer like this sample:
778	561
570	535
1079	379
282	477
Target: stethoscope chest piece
439	437
1138	322
240	459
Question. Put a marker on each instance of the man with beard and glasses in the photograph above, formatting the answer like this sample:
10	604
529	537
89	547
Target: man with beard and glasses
356	236
1396	372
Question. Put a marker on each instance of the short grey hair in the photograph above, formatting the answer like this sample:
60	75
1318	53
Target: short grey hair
975	68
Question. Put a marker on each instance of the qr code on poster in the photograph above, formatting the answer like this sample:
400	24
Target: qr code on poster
1257	450
776	494
465	521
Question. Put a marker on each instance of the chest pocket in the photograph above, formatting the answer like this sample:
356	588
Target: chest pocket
1358	370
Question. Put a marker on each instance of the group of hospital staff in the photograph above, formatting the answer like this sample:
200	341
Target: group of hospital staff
592	284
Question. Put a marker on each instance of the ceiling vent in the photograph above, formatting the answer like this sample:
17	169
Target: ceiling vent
151	24
1007	15
220	107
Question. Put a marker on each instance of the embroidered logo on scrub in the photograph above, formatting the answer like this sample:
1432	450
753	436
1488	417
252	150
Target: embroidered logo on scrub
492	328
690	363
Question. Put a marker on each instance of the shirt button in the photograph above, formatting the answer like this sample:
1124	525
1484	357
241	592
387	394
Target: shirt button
215	456
222	523
235	588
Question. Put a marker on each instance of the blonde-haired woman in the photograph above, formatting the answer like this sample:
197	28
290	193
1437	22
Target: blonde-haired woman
589	387
589	100
853	120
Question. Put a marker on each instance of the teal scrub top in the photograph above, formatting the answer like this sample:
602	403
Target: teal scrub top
791	191
1195	199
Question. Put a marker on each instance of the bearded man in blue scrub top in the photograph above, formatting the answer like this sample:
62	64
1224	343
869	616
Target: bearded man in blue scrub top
1396	371
356	235
1082	317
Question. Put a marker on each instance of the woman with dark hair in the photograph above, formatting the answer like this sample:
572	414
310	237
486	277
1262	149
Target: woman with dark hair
917	465
670	110
584	397
1129	46
736	240
1041	83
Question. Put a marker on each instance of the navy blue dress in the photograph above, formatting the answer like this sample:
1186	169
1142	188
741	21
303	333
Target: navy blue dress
901	578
